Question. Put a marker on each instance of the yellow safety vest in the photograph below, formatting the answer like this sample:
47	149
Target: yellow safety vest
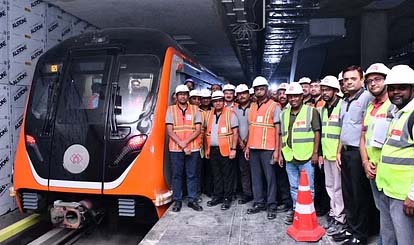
395	172
330	131
302	135
374	153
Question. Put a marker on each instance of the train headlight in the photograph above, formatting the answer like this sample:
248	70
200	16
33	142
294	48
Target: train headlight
136	142
30	140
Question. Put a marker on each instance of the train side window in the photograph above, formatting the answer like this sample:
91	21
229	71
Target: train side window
138	83
48	74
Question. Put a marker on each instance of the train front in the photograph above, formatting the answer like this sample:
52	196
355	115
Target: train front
93	140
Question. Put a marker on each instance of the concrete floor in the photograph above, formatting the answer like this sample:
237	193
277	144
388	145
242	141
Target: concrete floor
213	226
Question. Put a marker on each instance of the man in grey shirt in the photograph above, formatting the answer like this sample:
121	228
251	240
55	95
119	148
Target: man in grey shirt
242	110
356	190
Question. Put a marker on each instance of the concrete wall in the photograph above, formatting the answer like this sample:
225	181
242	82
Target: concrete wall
27	29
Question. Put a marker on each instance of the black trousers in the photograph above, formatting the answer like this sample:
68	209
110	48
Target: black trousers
207	178
223	174
357	194
245	176
321	196
283	186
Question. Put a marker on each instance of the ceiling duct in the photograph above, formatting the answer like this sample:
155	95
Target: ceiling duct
285	20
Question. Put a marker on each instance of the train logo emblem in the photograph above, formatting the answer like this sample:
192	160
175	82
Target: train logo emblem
76	159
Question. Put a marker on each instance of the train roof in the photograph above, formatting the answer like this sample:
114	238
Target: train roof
131	40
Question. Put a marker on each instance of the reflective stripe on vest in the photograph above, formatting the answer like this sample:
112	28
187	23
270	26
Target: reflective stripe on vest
330	131
224	131
183	126
302	135
374	153
395	172
261	126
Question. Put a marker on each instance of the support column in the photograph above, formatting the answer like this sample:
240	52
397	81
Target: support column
374	38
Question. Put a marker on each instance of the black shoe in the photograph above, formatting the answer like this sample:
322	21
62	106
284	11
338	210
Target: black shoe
256	208
282	208
353	241
195	206
271	212
342	236
226	204
245	199
289	217
215	201
177	206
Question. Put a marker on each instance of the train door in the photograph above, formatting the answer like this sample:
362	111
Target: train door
78	140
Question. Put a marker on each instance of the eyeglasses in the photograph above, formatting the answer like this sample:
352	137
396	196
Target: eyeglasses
376	80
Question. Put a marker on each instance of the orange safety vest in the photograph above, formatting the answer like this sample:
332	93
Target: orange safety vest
225	133
184	126
261	126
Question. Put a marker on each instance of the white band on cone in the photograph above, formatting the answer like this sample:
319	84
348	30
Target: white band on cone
303	188
304	209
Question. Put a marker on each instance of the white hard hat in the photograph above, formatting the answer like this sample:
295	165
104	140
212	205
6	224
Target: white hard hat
229	87
305	80
400	74
181	88
294	88
217	95
377	68
340	77
260	81
189	80
241	88
205	93
251	91
195	92
283	86
331	81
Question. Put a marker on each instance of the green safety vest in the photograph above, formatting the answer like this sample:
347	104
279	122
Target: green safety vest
302	135
330	131
395	172
374	153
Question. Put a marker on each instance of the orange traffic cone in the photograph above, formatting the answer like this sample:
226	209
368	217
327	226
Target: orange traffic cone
305	227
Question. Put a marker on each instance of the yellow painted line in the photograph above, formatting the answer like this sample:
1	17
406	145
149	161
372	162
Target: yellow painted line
18	227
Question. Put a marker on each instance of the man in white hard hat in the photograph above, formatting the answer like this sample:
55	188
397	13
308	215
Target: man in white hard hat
206	175
241	111
331	131
395	171
189	82
300	128
377	114
305	83
263	148
215	87
229	96
183	127
195	97
283	187
281	96
221	142
356	189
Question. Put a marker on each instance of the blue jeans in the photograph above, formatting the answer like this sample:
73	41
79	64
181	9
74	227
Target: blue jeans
179	163
293	170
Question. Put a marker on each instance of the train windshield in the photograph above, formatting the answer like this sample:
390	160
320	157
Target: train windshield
138	82
83	91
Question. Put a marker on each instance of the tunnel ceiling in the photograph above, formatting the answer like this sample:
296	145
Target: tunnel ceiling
231	37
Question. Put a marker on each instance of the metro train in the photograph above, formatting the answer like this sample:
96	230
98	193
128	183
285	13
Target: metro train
93	140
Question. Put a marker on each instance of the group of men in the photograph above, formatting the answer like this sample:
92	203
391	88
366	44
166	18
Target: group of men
352	134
